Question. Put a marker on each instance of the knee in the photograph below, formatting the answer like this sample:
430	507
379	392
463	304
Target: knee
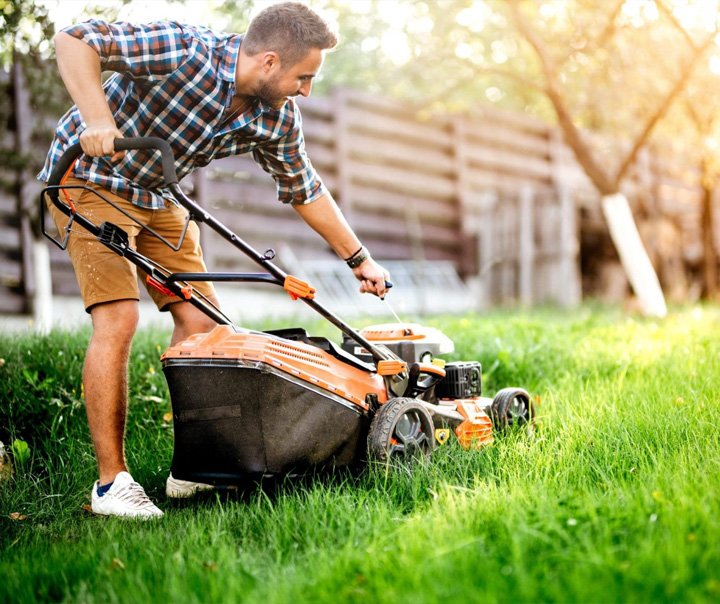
117	320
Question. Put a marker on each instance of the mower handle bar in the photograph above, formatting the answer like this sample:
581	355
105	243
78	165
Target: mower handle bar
121	144
199	215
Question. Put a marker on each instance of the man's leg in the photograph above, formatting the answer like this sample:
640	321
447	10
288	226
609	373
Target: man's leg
190	320
108	284
105	380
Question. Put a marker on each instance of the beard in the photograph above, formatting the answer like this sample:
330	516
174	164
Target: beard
269	93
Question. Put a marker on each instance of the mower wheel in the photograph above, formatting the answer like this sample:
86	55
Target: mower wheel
402	428
512	408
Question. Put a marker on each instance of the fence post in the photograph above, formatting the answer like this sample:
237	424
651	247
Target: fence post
526	245
570	288
37	282
468	229
571	291
485	281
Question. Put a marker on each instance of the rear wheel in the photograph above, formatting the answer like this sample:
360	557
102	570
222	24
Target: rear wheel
401	429
512	408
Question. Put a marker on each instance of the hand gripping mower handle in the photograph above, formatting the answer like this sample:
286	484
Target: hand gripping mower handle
121	144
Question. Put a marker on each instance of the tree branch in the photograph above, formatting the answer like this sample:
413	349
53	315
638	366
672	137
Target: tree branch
582	150
662	109
601	40
676	24
609	30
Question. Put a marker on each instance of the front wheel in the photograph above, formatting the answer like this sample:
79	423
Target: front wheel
401	429
512	408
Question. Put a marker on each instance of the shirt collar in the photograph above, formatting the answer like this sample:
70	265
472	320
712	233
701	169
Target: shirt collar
229	59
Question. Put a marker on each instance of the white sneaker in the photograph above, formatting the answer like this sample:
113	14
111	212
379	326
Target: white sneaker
181	489
124	498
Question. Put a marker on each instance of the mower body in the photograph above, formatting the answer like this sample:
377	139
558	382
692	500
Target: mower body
255	404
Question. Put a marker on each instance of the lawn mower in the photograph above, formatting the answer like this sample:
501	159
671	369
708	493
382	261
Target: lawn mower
249	404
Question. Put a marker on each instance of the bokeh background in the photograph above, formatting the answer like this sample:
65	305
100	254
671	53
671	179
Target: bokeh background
473	144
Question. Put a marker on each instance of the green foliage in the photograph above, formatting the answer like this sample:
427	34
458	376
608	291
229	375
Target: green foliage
26	32
24	28
614	498
20	451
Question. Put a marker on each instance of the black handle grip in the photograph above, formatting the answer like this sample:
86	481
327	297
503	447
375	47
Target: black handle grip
417	386
121	144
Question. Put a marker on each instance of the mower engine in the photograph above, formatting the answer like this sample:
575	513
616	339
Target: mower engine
455	402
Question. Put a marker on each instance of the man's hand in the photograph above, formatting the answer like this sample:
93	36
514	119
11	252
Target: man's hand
372	278
99	140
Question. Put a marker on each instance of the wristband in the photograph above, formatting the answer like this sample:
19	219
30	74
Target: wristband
351	256
358	258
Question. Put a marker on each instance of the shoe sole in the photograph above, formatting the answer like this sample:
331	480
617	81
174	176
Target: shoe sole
173	490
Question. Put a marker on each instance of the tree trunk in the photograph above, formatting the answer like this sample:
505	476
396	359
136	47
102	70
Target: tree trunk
633	255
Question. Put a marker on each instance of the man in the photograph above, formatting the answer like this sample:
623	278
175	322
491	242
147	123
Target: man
209	95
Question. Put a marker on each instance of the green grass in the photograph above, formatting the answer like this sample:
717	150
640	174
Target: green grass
615	499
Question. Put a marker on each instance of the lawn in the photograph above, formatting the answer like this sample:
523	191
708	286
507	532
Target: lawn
614	499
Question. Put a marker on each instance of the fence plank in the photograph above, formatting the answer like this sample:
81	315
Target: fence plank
364	147
402	180
500	136
384	202
393	128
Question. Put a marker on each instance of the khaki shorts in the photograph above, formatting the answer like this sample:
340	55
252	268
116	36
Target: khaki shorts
102	275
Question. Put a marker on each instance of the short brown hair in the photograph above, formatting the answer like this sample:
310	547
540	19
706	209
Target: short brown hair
290	29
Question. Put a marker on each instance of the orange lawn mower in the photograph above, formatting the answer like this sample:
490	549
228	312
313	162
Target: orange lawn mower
251	404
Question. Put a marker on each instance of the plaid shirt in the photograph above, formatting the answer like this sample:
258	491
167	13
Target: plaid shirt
176	82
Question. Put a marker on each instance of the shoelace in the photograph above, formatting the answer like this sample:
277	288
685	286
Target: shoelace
134	494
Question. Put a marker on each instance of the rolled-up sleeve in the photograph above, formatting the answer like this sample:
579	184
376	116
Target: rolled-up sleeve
143	50
287	162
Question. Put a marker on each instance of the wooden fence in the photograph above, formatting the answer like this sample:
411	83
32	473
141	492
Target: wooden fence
496	193
17	192
480	192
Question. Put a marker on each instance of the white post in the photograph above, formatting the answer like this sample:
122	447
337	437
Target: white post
634	257
42	300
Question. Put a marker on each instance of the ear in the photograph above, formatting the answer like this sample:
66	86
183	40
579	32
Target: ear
270	61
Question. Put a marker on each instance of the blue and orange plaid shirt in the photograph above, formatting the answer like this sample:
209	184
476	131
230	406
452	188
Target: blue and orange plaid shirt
177	82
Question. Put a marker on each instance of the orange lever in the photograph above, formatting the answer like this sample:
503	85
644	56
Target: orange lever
152	282
297	288
391	367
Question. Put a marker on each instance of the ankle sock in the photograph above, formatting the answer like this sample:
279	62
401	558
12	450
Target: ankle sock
104	488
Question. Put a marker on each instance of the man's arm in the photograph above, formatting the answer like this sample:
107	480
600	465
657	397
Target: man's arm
79	67
325	218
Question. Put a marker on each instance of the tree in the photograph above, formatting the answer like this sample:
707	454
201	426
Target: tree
707	127
615	69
